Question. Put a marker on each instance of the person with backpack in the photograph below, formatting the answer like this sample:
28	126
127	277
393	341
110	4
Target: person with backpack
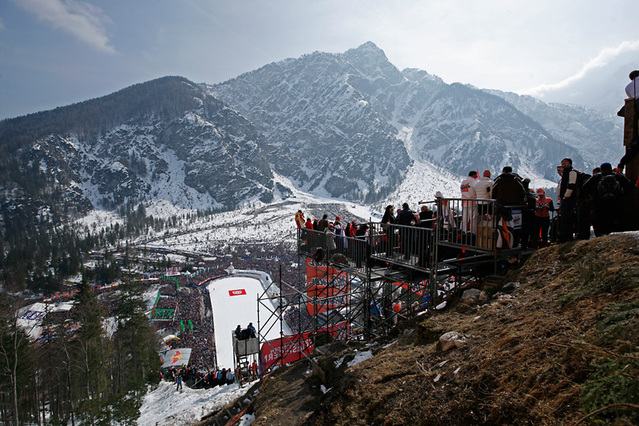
508	192
584	207
607	191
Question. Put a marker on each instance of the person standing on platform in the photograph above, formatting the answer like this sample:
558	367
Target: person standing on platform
468	207
299	219
483	190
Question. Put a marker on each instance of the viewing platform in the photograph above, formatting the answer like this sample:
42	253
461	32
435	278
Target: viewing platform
450	243
358	287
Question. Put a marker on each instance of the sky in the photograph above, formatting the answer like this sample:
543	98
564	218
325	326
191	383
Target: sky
58	52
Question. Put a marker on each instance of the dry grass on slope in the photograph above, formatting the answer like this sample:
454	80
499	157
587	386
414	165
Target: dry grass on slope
560	347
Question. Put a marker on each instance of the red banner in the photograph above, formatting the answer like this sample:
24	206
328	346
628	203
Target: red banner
293	348
324	286
240	292
285	350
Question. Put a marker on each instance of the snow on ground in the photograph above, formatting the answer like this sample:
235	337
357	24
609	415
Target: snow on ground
422	181
361	357
234	302
150	295
272	223
98	219
165	406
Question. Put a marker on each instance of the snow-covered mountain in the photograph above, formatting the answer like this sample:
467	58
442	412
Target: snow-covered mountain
342	107
162	140
596	136
347	126
329	135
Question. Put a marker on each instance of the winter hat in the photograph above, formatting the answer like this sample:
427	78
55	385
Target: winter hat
438	194
337	218
486	173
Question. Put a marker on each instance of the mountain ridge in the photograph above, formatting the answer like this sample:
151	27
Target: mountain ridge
348	126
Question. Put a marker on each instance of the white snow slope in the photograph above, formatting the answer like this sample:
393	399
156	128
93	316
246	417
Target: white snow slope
165	406
234	301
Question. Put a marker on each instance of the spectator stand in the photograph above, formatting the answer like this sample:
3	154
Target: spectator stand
362	287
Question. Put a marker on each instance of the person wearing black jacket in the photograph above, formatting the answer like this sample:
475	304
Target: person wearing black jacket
387	220
567	201
406	217
508	189
607	189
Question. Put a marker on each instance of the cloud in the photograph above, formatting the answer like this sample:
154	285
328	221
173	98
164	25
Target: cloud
81	20
603	59
599	83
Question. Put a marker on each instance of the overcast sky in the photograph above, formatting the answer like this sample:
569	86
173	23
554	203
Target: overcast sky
57	52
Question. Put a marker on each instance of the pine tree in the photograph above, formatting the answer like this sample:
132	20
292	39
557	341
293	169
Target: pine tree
136	347
92	351
15	361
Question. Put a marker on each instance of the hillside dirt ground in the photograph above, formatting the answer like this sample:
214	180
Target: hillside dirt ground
560	348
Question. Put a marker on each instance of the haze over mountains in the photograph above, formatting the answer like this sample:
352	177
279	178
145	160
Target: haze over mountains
347	126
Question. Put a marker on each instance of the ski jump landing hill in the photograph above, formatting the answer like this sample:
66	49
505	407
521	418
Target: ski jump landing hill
234	299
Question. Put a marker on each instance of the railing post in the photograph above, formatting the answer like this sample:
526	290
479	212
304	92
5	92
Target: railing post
437	229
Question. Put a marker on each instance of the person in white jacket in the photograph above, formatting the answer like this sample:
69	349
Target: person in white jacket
468	207
483	190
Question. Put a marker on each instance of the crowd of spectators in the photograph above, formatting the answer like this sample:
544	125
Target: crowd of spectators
297	319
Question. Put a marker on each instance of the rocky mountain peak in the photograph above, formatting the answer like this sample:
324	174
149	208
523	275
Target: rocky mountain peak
372	62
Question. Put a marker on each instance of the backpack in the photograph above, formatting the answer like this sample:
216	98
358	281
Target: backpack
608	188
581	179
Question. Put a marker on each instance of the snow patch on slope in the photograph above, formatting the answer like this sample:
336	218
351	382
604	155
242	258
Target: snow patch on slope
165	406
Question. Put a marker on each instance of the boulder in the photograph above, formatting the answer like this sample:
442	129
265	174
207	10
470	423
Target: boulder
471	296
450	340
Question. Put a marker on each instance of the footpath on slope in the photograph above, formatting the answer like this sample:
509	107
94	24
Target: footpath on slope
561	346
